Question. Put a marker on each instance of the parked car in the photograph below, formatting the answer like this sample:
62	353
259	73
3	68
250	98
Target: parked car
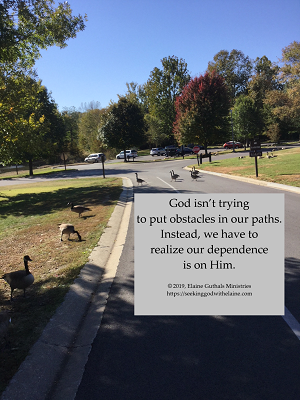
186	150
95	157
170	151
229	145
157	151
129	154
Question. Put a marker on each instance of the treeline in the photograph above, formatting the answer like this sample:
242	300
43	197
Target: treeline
250	98
236	95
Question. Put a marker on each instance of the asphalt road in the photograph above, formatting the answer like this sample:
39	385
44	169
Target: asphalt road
206	358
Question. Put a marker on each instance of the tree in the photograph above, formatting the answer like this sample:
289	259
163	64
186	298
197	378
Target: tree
246	119
27	26
264	80
30	124
71	121
123	125
285	104
236	69
161	90
88	140
202	110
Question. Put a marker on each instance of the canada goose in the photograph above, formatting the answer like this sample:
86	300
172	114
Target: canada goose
67	229
19	279
174	176
139	180
78	209
195	172
5	320
194	176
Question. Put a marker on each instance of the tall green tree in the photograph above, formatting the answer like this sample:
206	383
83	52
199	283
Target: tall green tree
264	80
202	110
27	26
71	121
246	119
88	140
30	125
236	69
285	104
123	125
161	90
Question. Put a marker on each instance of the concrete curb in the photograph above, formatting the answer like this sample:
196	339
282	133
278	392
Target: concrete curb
66	341
253	181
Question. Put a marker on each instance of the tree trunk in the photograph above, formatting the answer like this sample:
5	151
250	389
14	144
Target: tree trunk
30	167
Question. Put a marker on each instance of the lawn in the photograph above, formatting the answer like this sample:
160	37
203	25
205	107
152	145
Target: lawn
29	219
283	168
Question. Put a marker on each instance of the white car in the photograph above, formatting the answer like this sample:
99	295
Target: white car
129	154
95	157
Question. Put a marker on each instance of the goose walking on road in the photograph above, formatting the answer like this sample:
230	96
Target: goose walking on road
139	180
173	176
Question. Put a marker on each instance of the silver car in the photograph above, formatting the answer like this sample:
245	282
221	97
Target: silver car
95	157
129	154
157	151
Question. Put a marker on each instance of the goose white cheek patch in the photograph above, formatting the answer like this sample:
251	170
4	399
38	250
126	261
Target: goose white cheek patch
209	254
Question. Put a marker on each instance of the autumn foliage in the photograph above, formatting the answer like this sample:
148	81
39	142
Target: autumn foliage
201	109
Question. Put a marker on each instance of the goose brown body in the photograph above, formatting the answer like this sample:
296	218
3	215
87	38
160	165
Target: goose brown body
67	229
78	209
19	279
195	172
139	180
174	176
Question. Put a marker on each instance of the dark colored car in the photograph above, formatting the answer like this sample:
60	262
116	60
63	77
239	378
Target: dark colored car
170	151
186	150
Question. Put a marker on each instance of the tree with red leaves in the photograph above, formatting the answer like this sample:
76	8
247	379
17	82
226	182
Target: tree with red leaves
202	110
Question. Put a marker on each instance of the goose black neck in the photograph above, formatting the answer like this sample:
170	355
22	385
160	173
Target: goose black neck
26	267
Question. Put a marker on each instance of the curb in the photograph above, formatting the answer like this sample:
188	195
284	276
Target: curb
68	337
253	181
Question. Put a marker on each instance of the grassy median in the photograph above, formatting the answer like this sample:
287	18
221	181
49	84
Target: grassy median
29	219
283	167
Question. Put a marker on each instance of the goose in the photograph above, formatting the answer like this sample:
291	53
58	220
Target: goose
67	229
78	209
194	176
19	279
139	180
195	172
174	176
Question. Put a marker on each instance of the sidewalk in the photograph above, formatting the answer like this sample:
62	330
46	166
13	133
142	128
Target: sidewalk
54	366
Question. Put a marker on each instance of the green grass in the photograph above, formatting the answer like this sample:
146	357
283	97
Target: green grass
284	168
29	219
6	173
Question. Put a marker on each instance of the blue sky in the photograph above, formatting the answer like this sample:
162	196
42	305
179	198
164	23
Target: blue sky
124	40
